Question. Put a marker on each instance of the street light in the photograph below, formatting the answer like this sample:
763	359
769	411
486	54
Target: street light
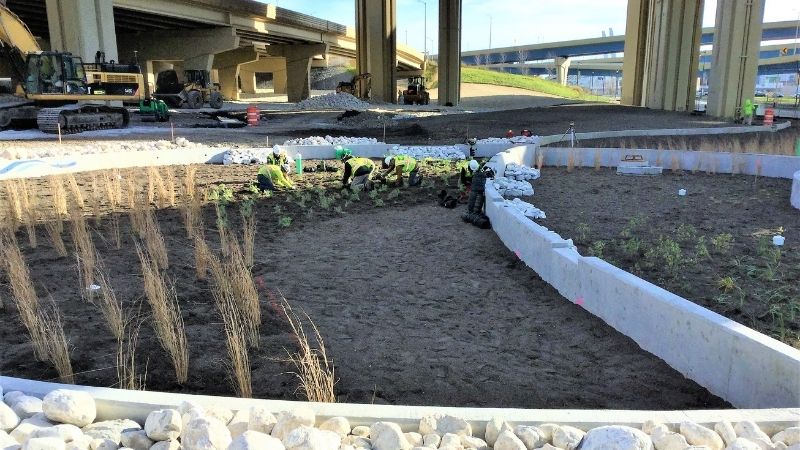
425	31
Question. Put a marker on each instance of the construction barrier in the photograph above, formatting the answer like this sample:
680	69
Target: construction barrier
769	115
252	116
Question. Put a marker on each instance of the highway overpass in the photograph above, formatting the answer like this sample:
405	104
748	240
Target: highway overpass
234	39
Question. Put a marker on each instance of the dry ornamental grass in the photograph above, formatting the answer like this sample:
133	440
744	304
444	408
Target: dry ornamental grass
314	369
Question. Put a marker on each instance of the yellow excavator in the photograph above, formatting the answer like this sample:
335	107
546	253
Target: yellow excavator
53	87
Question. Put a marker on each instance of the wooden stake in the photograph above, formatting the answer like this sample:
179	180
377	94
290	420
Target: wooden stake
172	130
59	132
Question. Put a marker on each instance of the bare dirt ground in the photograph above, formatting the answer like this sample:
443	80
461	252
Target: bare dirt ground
713	246
415	306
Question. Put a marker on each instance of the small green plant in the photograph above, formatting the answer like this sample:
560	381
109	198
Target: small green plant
722	242
355	196
285	222
220	193
632	246
597	248
685	233
393	194
325	202
633	223
582	231
246	207
338	210
701	250
667	253
373	194
726	284
377	202
277	210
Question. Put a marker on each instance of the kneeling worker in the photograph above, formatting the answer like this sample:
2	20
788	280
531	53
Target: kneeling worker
357	171
402	164
272	177
278	158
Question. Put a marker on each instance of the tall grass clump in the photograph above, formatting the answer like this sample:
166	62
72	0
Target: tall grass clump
109	305
169	185
128	376
75	190
29	210
236	326
154	240
166	315
56	345
313	367
59	196
244	290
85	252
24	295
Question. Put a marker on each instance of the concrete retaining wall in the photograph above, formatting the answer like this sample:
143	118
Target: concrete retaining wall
745	367
135	405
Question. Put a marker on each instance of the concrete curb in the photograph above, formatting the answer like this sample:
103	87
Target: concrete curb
745	367
666	132
135	405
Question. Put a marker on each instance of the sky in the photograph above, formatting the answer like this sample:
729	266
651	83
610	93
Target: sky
513	22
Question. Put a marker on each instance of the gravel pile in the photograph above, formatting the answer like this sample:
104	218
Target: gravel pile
526	208
333	100
331	140
437	152
521	172
50	150
246	156
512	188
64	420
513	140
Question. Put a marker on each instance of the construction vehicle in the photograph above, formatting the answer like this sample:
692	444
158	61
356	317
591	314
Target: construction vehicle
416	92
48	86
154	107
360	86
194	92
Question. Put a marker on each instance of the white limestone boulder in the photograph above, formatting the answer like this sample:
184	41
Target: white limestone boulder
442	424
309	438
27	427
431	440
414	438
616	437
697	434
82	443
163	424
110	429
103	444
289	420
748	429
261	420
450	440
667	440
47	443
7	442
136	440
240	423
66	432
387	436
472	442
206	433
493	429
507	440
339	425
531	436
743	444
567	438
8	418
725	431
789	436
254	440
166	445
360	430
27	406
68	406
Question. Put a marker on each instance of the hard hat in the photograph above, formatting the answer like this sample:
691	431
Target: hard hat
276	150
473	165
341	152
388	160
472	141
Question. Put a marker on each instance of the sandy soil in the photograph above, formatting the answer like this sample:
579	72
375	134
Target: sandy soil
631	220
416	308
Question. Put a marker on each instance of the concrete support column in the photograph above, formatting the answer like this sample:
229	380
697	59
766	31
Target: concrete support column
229	82
562	69
660	66
82	27
633	63
449	52
199	62
274	65
737	38
376	46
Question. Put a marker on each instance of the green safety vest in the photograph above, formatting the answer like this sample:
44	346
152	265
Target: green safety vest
357	163
748	108
408	163
277	160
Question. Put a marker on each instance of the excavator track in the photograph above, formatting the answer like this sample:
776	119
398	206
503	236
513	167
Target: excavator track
74	119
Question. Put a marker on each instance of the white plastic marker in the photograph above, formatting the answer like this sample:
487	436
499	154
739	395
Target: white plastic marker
682	192
778	240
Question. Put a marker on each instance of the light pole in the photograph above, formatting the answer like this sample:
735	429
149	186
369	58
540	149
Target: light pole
425	31
490	32
797	75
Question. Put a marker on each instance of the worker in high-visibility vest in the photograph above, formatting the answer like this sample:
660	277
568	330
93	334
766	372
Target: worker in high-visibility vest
747	112
357	171
271	177
399	165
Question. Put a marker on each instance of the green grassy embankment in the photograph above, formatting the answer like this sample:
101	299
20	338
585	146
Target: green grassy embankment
531	83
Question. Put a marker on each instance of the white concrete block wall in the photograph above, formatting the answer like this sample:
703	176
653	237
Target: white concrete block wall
745	367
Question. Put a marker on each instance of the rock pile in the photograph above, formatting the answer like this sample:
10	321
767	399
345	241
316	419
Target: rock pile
341	100
521	172
437	152
331	140
526	208
512	188
65	421
246	156
49	150
513	140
